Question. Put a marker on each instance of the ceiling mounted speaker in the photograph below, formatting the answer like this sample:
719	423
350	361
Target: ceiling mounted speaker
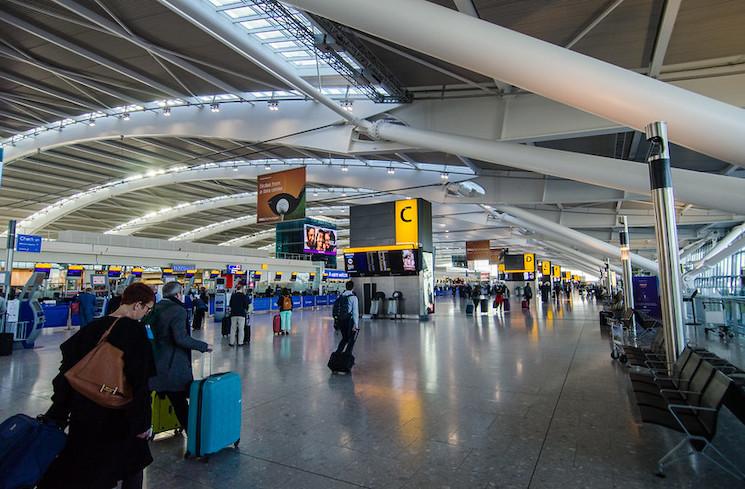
465	189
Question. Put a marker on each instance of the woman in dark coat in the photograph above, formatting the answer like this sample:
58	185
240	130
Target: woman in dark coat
106	445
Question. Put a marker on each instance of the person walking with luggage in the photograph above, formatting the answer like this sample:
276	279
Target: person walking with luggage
476	297
172	346
498	297
527	295
201	307
87	303
284	303
346	318
239	303
105	445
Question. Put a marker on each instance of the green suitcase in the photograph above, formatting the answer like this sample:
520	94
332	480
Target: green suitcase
164	416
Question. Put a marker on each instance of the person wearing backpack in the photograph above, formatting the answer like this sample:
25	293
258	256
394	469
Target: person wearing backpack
284	303
346	319
346	314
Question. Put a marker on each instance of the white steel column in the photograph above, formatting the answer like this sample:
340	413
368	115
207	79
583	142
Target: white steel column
667	242
628	274
697	122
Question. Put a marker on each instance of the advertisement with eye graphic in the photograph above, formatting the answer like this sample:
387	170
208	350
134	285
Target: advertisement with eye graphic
281	196
317	239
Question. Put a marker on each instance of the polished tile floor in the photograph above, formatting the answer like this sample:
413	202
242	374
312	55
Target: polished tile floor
530	399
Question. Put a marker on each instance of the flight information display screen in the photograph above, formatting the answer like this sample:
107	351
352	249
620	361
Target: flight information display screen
382	262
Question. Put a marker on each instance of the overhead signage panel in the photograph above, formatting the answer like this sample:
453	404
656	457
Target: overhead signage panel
478	250
407	222
546	267
519	263
28	243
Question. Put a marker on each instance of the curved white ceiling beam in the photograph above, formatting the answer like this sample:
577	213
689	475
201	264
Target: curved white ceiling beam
376	178
267	233
240	121
236	222
634	100
244	198
703	189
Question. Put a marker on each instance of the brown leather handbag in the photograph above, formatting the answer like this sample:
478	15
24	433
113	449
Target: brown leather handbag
99	375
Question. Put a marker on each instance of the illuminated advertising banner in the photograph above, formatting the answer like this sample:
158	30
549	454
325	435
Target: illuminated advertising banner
319	240
281	196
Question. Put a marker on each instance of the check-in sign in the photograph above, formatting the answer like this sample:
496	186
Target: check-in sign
28	243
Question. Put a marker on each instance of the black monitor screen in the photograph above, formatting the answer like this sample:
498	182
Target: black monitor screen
513	262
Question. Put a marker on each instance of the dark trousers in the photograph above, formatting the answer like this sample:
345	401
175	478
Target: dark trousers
133	481
180	406
348	337
198	319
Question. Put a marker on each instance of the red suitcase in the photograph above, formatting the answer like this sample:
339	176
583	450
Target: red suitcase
276	324
525	304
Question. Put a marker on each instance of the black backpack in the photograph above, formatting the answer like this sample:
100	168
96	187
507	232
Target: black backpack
341	311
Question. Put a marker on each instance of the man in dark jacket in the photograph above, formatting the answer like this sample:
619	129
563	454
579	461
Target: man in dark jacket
239	303
173	346
87	306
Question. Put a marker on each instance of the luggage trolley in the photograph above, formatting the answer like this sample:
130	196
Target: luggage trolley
617	339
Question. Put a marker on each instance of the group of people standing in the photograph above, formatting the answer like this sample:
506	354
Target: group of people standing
107	446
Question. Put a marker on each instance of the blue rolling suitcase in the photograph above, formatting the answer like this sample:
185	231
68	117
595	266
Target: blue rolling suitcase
27	449
214	414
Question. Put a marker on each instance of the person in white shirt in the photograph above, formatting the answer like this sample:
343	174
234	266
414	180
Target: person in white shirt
349	321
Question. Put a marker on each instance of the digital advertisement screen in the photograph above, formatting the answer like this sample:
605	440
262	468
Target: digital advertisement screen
137	272
319	240
43	268
115	273
277	276
99	280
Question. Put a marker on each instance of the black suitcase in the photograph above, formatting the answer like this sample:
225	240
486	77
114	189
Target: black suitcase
6	344
604	315
341	362
225	326
469	309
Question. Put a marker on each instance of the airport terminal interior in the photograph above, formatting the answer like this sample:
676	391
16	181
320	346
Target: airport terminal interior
372	244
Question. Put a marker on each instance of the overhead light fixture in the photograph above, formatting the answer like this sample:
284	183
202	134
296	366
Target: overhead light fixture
235	168
167	111
273	105
214	107
91	122
347	105
267	166
125	116
444	175
344	195
390	170
344	168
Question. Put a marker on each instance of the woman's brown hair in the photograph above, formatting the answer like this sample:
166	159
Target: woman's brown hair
138	292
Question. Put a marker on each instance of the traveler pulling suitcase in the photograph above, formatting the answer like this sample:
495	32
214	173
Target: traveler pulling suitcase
27	449
276	324
214	413
164	416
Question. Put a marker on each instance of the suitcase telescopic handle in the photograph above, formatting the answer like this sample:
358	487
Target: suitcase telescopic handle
206	357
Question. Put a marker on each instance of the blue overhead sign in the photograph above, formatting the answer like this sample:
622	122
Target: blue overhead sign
28	243
337	274
182	267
